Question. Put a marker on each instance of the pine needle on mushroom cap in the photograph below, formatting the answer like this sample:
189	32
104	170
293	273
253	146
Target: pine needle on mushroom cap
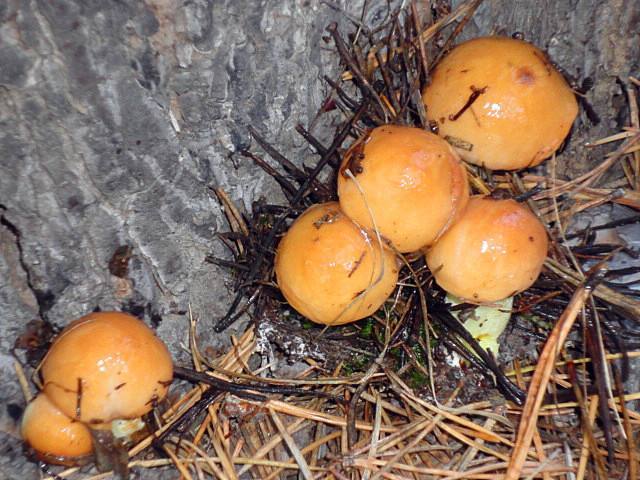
410	181
500	102
331	270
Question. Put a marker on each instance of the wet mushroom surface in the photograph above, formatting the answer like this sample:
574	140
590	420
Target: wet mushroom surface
106	366
501	103
406	182
493	251
331	270
52	437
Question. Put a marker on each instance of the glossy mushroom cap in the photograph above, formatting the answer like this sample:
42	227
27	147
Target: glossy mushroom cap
412	182
522	111
331	271
106	366
52	436
493	251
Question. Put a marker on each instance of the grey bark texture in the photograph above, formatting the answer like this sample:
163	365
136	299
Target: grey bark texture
116	117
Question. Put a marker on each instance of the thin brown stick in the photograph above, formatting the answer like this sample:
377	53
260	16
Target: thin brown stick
288	439
584	455
537	388
601	291
630	437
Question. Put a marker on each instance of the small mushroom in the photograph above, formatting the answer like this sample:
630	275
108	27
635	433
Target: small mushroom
52	437
409	181
493	251
500	102
331	270
104	367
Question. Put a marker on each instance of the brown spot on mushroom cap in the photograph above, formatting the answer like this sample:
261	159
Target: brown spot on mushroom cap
119	361
329	217
357	263
354	157
521	119
525	76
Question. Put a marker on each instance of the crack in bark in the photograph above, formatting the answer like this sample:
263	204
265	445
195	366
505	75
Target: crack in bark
44	299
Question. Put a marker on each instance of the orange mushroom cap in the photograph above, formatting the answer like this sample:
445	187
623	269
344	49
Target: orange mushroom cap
411	182
493	251
332	271
54	437
500	102
106	366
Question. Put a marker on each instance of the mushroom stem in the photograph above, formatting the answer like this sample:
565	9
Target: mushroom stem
110	454
485	322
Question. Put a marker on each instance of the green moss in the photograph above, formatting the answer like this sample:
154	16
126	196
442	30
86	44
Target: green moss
396	353
357	363
419	354
416	379
367	328
539	322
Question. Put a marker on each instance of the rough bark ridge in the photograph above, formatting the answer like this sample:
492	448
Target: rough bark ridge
116	117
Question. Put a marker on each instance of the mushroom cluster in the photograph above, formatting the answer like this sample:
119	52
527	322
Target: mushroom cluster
399	189
502	105
495	102
102	372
